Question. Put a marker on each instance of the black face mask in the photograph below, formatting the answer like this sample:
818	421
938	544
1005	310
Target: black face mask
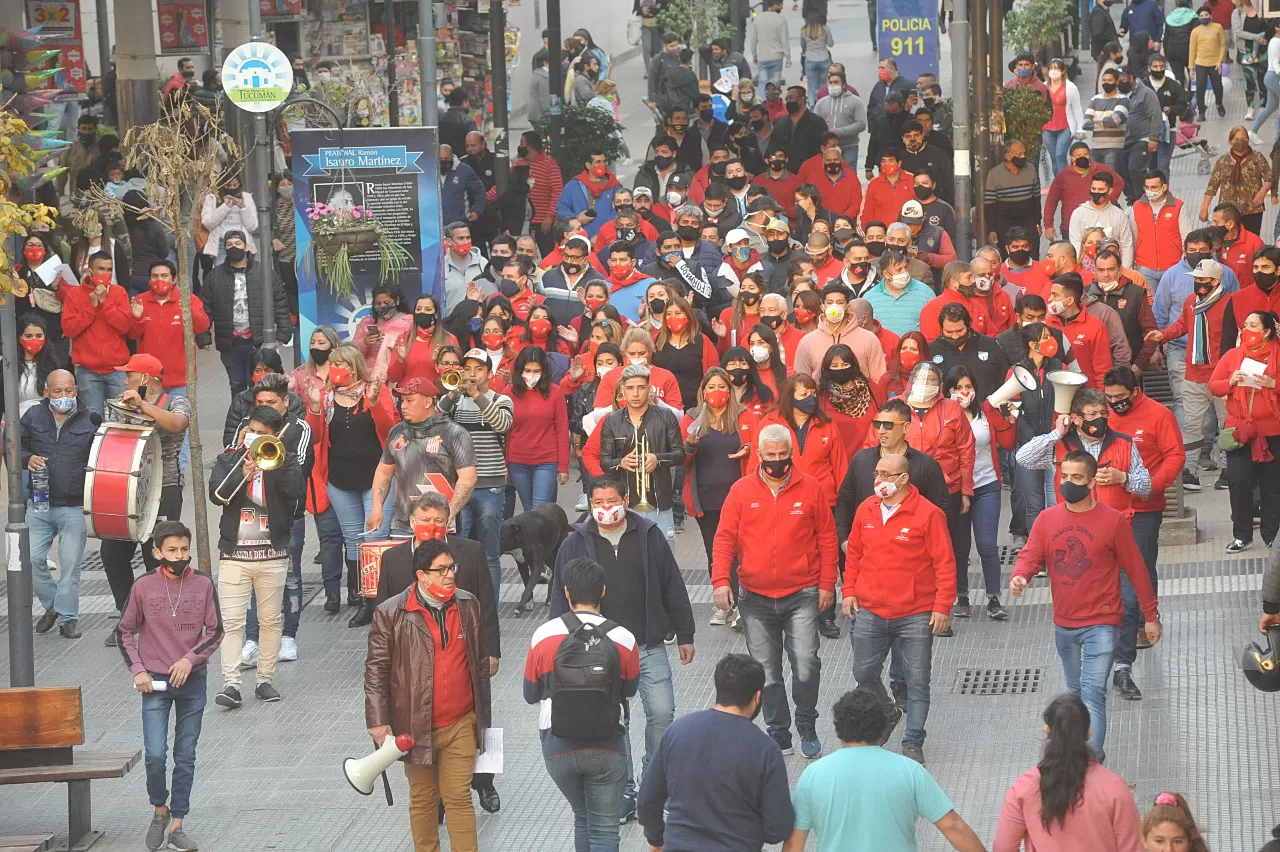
717	169
235	254
522	151
1125	88
808	405
1081	163
1265	280
876	247
739	375
679	128
1021	257
508	288
320	356
924	192
736	183
1121	406
777	468
424	321
626	234
1095	427
1203	290
688	233
1157	75
1018	162
794	107
749	298
777	165
1109	87
176	567
774	323
840	375
571	268
707	114
663	163
87	138
757	124
1194	258
188	74
658	306
860	269
446	166
779	246
1098	197
834	168
1073	492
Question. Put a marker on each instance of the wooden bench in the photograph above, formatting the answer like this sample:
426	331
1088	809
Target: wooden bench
27	843
42	725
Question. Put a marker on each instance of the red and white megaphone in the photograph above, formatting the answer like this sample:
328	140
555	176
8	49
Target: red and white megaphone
363	771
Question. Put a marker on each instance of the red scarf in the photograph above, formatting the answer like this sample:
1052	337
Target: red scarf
585	178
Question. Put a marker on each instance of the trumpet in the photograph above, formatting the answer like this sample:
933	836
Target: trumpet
451	380
642	475
267	452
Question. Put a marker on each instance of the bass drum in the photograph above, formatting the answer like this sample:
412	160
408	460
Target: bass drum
371	564
123	482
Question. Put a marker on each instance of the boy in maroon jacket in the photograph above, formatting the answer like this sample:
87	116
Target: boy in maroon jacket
169	629
1085	545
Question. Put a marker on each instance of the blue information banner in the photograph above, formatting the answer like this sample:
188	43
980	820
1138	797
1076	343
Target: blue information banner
908	34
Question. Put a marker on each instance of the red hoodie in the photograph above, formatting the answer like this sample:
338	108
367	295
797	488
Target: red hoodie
883	202
97	333
1090	343
1155	432
784	543
159	333
904	565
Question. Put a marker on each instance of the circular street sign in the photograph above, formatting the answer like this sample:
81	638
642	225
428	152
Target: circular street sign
257	77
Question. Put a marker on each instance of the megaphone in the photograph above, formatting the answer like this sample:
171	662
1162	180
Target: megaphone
1022	379
1065	384
363	771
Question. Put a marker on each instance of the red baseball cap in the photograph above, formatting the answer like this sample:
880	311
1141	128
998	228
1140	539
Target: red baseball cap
143	363
416	385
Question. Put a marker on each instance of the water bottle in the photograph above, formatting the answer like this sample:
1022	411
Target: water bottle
40	489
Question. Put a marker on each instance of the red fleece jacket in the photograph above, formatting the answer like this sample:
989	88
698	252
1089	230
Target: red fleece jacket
904	565
97	333
1155	431
159	333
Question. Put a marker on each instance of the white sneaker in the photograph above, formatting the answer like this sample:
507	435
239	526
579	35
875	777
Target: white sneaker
1254	139
288	649
719	617
1248	116
581	505
249	655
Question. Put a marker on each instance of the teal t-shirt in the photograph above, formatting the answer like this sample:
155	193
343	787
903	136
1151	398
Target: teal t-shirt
865	797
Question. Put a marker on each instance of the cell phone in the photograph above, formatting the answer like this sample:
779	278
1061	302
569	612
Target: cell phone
159	685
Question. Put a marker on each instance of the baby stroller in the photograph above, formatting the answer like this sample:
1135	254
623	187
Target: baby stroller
1188	141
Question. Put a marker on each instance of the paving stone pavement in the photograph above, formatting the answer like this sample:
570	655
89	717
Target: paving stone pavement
270	777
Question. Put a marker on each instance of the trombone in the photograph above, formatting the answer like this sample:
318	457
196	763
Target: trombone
267	452
642	475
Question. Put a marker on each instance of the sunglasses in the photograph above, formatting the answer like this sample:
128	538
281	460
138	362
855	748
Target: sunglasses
886	424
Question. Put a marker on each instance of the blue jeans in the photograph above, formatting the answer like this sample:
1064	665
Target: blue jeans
184	456
67	523
658	697
1112	157
766	71
1272	82
482	520
1037	491
292	589
1146	529
666	521
94	389
1056	142
591	779
982	523
911	641
849	153
1164	156
236	361
1086	654
815	71
535	484
770	625
352	508
189	700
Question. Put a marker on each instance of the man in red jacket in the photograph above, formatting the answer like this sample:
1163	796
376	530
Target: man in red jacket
888	191
1238	244
1085	545
778	523
96	317
157	325
900	581
838	185
1155	433
1088	337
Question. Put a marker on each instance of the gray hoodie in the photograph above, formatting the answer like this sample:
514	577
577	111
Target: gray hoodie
845	114
1144	114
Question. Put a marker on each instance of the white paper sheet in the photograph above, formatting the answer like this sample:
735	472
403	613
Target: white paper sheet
491	759
1252	370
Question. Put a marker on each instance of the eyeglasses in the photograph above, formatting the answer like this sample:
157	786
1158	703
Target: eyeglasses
451	568
886	424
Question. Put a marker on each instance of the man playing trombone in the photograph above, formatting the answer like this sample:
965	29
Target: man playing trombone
259	485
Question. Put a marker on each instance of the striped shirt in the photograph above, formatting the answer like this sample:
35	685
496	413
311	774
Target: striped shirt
1106	117
488	418
544	189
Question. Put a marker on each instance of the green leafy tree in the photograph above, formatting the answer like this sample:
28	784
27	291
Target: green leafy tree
1025	112
697	22
584	129
1034	25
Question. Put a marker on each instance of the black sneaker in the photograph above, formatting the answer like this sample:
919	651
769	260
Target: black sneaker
1190	482
332	604
266	692
961	608
916	753
995	611
47	621
1237	546
1222	111
1123	681
891	721
827	627
783	740
1206	461
628	811
69	629
111	641
229	698
1221	484
899	691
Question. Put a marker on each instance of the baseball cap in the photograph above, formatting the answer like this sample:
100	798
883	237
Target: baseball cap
416	385
736	235
642	190
778	225
912	213
678	181
143	363
476	354
1206	268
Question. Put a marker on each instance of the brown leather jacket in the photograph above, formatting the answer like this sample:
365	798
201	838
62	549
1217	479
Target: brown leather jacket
398	671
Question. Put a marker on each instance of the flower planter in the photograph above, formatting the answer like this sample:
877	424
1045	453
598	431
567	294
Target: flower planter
357	240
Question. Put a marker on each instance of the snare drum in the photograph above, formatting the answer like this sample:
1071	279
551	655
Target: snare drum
371	564
123	481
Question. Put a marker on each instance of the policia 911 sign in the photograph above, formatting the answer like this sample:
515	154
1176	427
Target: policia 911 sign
908	34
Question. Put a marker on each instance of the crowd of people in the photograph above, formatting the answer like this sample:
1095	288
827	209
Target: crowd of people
754	335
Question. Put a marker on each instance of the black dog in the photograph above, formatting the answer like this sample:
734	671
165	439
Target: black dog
533	539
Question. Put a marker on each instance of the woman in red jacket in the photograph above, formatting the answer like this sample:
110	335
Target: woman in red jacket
912	349
735	322
416	351
819	449
991	430
349	423
538	443
719	445
495	338
541	331
846	396
1253	412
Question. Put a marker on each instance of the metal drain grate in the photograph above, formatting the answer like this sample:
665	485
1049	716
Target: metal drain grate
1008	555
998	681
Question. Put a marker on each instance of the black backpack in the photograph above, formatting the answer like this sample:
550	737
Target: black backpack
586	682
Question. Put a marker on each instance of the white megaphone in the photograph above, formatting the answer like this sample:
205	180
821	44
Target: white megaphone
1022	379
1065	384
363	771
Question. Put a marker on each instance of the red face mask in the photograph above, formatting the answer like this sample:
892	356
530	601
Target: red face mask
462	247
492	341
32	345
1049	348
620	273
716	399
438	592
889	169
884	75
428	532
1250	338
100	279
908	360
677	324
34	253
599	171
540	328
804	317
161	288
258	374
593	303
339	377
522	309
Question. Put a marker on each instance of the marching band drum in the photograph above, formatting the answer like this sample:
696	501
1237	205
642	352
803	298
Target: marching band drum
123	482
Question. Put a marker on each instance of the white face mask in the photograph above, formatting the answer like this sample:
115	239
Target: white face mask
639	362
886	488
1055	74
921	391
834	313
963	397
900	280
531	379
1153	194
1056	308
1108	286
674	199
760	354
983	283
609	516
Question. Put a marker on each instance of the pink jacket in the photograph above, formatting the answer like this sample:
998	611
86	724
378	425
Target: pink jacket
1106	820
378	356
